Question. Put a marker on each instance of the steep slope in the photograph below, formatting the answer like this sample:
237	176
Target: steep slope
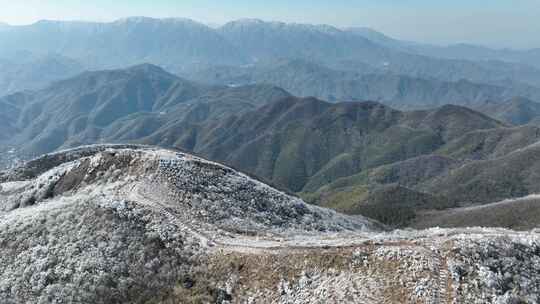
128	224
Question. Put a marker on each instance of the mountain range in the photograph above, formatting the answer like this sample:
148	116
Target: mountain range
163	161
92	106
304	78
356	157
135	40
123	42
322	61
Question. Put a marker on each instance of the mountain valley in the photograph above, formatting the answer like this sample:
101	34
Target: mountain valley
165	161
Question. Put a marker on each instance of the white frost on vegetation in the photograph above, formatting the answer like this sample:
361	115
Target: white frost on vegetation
124	224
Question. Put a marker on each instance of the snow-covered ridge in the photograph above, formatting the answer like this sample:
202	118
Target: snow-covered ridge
132	224
212	193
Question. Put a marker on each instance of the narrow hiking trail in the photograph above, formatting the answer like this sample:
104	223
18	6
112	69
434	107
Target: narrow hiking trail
442	294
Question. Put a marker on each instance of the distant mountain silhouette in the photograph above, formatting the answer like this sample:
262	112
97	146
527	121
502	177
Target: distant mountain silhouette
304	78
183	44
454	51
25	71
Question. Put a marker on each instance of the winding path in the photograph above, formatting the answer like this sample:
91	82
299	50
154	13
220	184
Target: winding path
441	295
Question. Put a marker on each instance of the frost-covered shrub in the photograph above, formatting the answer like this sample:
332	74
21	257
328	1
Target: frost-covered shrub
89	251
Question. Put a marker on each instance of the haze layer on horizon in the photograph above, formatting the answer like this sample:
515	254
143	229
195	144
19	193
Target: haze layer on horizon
493	23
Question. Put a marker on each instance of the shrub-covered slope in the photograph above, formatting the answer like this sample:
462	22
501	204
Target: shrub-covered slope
132	224
124	224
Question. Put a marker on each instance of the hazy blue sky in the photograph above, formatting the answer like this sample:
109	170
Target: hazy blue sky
500	23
